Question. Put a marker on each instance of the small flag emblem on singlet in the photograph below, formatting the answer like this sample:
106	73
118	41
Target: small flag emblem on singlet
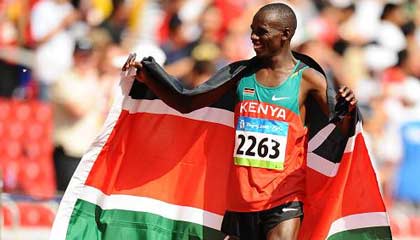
249	91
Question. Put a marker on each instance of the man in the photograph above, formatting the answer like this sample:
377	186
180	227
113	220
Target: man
50	21
267	182
75	125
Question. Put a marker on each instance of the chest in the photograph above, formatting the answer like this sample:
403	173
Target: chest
268	100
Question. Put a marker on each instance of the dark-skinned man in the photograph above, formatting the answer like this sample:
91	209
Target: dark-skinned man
267	180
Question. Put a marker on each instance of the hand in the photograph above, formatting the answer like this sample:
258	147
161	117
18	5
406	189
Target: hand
346	95
131	62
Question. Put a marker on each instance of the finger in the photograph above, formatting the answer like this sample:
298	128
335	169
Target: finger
346	92
341	92
341	89
133	59
130	60
127	62
348	96
137	65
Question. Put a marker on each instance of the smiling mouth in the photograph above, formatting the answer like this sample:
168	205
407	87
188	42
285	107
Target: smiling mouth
257	46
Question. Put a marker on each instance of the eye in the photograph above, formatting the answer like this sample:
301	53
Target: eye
259	31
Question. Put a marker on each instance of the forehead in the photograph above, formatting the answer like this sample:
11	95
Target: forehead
266	18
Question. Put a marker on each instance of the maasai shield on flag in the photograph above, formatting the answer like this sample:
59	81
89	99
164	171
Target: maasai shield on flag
343	200
154	173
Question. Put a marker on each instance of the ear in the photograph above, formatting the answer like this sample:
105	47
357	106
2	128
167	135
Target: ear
287	34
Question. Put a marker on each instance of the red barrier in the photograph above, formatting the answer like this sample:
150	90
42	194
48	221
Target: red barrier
35	215
7	216
26	147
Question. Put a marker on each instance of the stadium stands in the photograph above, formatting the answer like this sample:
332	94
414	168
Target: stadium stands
26	147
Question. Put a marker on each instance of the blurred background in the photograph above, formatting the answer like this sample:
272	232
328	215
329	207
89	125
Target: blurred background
60	62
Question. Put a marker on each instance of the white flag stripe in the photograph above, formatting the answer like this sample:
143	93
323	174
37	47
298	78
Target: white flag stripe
144	204
322	165
350	144
157	106
320	137
356	221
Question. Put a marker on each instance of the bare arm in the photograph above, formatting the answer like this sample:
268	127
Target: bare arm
175	94
315	84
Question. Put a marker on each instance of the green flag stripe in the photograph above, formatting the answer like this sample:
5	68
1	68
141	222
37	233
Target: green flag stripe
89	221
259	163
377	233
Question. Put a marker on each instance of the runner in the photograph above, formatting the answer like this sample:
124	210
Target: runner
267	183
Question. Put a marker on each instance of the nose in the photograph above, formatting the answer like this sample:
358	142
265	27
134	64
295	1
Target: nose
254	37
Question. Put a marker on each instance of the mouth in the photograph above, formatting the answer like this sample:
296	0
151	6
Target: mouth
257	46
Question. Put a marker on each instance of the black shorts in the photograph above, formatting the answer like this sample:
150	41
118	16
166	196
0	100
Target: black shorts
256	225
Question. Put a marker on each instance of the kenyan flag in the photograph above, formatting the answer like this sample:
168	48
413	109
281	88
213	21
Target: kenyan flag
154	173
343	199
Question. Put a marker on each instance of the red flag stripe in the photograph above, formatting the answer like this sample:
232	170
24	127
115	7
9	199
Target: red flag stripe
170	157
333	198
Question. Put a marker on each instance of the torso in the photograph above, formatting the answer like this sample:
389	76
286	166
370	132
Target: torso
270	142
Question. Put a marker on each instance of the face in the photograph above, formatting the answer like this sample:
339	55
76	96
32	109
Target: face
399	16
267	34
211	20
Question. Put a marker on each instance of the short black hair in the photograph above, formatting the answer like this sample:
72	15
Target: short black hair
284	13
175	23
388	9
340	46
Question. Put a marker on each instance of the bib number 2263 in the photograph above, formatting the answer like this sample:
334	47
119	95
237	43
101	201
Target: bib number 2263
260	143
263	148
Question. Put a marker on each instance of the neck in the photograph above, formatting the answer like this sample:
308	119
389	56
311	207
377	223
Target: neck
282	59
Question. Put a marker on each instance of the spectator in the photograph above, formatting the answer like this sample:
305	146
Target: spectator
116	23
389	34
77	115
50	21
177	46
201	71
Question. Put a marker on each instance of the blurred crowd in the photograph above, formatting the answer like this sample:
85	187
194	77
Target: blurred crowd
69	54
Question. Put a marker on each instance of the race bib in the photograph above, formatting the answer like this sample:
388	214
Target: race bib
260	143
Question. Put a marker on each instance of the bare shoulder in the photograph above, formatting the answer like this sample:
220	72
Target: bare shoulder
314	84
314	80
